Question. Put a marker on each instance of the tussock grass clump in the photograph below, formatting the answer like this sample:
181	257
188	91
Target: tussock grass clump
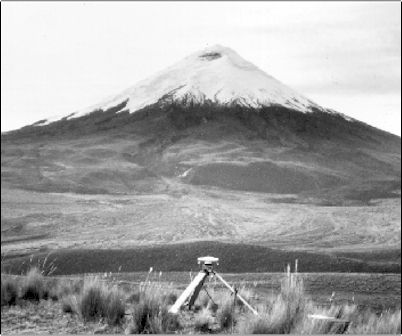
147	317
245	293
318	326
66	287
170	298
164	322
212	307
289	309
34	286
92	302
9	292
134	297
151	314
370	323
69	304
364	322
203	321
219	296
100	301
226	314
115	307
256	325
203	299
283	315
52	288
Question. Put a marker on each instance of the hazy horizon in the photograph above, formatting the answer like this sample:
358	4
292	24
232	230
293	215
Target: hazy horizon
61	57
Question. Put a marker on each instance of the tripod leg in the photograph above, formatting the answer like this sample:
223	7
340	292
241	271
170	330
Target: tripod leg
196	293
233	291
199	279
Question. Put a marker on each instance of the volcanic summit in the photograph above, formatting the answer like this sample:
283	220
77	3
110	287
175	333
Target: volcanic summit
212	119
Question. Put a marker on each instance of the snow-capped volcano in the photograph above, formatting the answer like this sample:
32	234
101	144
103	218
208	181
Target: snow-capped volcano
212	119
216	74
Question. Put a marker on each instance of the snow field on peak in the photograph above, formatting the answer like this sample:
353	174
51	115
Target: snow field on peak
216	74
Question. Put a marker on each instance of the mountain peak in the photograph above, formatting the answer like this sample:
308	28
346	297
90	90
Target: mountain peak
225	54
216	74
217	48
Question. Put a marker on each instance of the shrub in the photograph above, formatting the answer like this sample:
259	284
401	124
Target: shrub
9	292
34	286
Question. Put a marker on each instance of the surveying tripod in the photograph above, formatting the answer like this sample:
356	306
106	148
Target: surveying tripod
195	286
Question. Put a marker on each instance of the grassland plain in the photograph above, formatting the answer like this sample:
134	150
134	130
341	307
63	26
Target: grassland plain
34	221
82	303
375	291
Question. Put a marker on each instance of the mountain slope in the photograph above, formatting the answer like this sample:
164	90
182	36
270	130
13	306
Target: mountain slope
272	149
211	148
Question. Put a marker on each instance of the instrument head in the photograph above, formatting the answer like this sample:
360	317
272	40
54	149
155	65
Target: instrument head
207	263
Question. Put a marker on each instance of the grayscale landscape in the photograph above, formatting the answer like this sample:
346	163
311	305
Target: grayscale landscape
105	210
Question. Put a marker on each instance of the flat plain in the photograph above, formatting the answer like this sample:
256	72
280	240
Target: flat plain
33	221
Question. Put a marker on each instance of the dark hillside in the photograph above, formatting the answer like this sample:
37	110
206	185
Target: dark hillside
235	258
272	149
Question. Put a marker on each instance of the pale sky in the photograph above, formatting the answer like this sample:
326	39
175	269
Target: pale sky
57	58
